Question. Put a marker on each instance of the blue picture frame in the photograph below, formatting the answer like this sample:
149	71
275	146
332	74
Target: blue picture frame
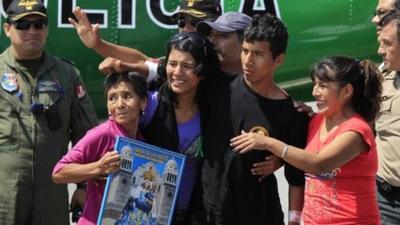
144	190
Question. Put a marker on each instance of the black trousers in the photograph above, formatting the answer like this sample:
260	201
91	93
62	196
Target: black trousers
188	217
389	202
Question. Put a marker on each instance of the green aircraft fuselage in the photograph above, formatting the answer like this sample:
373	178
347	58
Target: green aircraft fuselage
317	28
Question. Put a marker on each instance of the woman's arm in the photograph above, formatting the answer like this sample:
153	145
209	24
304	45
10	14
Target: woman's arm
341	150
90	37
74	172
112	65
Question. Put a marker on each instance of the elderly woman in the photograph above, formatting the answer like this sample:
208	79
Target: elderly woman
91	156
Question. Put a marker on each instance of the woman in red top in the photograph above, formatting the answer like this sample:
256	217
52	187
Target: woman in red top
340	160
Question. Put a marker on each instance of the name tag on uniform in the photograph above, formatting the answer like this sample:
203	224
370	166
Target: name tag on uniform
9	82
48	86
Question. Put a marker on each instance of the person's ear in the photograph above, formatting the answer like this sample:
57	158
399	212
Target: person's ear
143	104
347	91
6	28
280	59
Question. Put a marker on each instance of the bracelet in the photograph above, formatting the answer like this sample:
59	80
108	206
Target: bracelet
284	151
295	216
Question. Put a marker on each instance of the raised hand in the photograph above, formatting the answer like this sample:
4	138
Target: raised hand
88	34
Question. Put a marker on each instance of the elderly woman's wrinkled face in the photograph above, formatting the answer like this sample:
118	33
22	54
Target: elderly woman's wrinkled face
124	105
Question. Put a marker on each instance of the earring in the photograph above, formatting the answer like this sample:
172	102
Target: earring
142	113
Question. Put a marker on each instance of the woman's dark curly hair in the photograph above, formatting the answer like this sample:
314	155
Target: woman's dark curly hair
203	52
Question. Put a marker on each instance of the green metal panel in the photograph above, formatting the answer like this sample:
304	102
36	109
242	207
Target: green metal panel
320	28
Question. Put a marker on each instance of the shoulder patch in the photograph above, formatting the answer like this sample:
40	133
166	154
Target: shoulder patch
80	90
9	82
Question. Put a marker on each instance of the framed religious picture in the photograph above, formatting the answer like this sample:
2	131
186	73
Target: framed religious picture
145	188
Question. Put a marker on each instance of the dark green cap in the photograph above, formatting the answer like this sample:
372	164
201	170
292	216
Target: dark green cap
21	8
200	9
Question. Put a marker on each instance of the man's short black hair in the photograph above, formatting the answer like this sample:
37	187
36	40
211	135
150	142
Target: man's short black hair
268	28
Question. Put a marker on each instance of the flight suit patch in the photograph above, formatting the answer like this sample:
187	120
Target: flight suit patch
9	82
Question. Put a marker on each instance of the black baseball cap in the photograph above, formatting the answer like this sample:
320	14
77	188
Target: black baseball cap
199	9
18	9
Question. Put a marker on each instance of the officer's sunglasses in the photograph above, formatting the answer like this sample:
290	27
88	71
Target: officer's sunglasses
381	13
38	24
187	19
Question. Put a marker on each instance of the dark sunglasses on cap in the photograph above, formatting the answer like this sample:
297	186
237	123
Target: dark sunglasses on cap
39	24
186	19
196	40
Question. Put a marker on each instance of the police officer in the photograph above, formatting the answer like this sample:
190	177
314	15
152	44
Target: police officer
387	122
43	106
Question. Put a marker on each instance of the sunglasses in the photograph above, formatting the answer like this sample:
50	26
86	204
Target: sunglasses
39	24
380	13
196	40
183	20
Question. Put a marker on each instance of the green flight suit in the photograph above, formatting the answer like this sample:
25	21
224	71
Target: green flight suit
29	149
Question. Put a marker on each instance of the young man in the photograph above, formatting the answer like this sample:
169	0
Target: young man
43	106
251	103
387	123
226	33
